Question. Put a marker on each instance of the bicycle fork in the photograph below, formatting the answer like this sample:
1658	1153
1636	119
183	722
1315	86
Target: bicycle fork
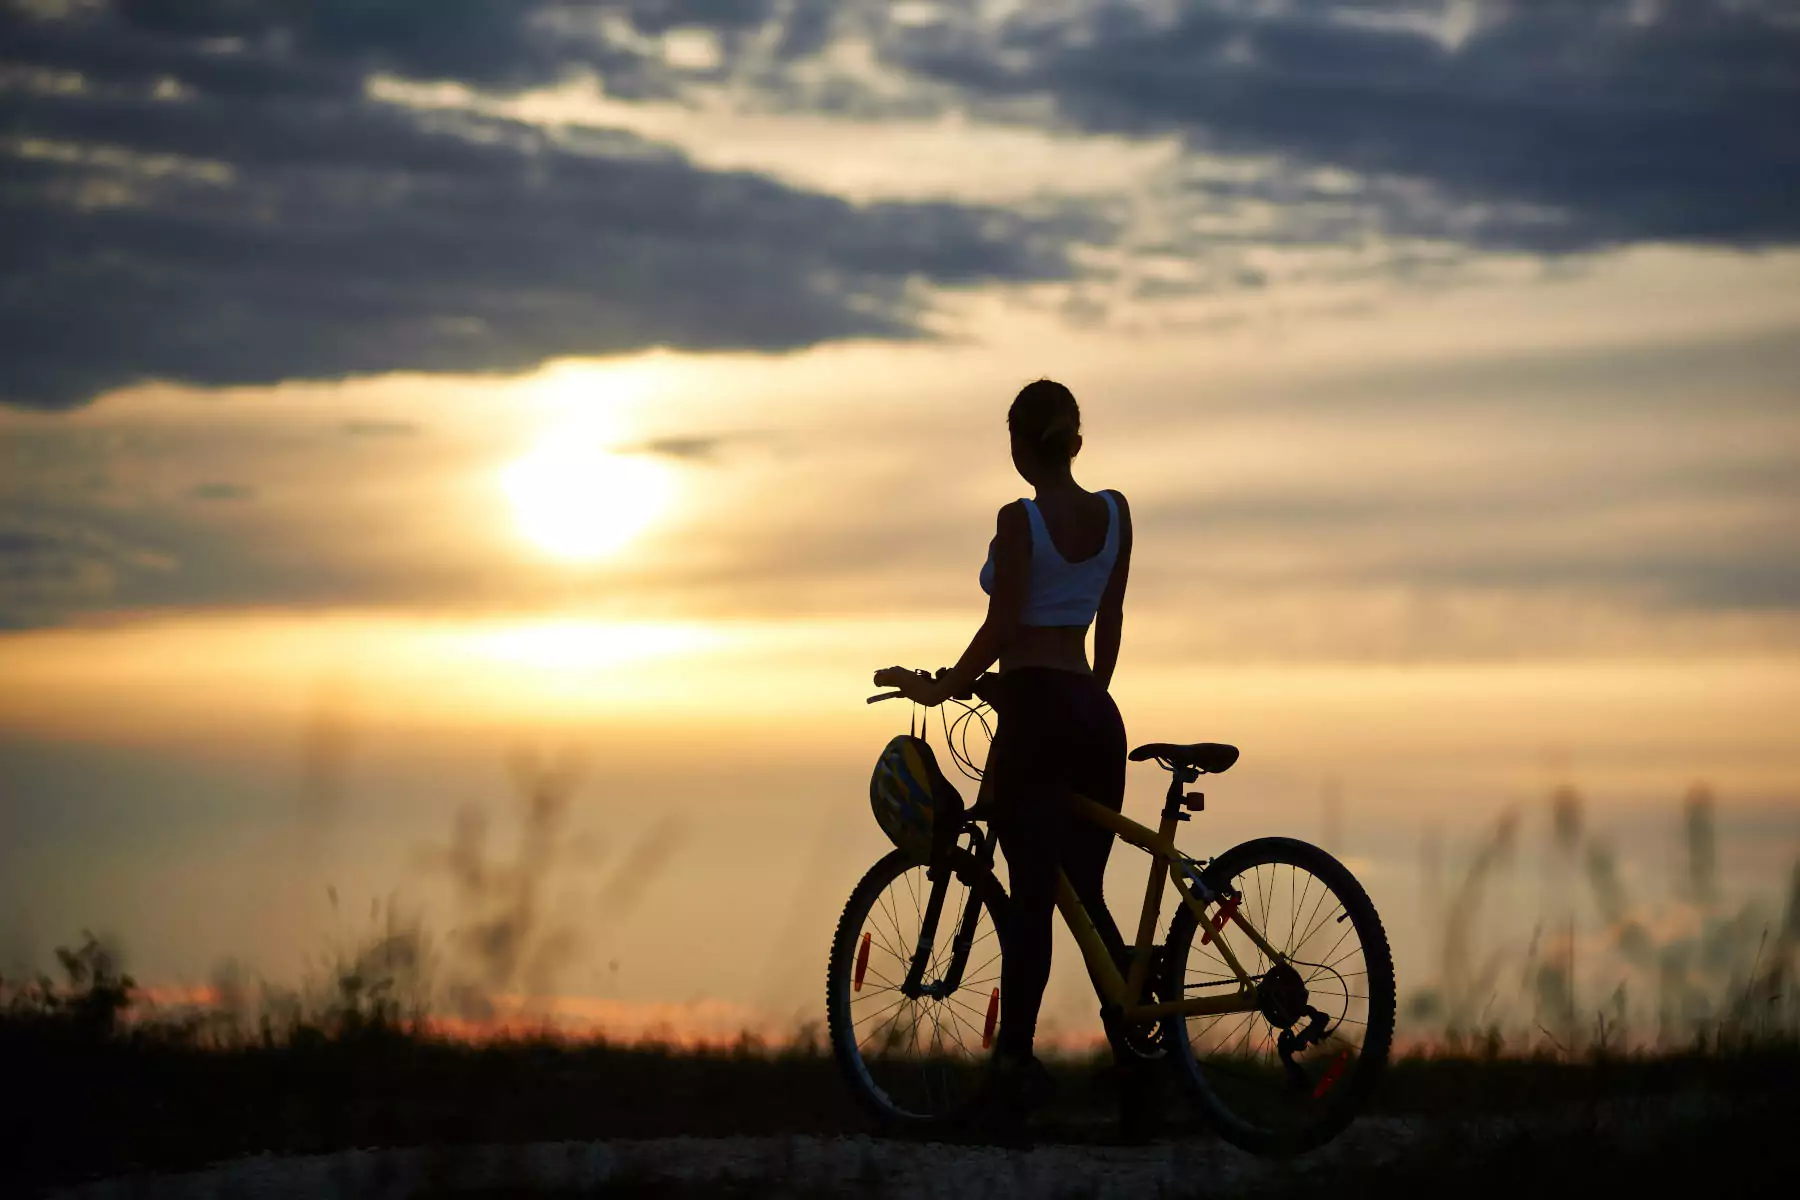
961	943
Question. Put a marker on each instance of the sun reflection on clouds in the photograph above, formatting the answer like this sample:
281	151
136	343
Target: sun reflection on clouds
574	495
581	504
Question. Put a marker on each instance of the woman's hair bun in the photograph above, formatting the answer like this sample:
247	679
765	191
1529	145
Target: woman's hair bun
1045	412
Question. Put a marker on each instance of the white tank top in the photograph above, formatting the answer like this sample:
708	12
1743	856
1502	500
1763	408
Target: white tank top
1062	592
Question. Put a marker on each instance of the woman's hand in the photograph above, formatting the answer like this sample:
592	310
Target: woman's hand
917	687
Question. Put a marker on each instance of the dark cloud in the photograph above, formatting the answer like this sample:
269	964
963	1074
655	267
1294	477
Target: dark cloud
222	491
218	202
1733	579
205	191
1549	125
52	565
1601	528
690	448
380	429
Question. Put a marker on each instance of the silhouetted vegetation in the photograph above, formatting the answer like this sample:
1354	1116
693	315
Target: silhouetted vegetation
99	1084
89	1094
1603	966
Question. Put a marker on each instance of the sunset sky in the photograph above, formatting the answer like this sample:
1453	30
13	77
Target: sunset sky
394	396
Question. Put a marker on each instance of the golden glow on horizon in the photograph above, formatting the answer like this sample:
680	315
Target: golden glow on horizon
577	645
583	505
640	686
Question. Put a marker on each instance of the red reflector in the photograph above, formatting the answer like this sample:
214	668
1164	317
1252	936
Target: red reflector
987	1030
1227	910
862	965
1331	1075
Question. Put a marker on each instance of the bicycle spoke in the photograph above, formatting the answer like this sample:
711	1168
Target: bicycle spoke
1242	1020
1317	925
887	985
884	1011
990	959
956	1028
872	1013
975	1014
1346	954
1294	908
894	927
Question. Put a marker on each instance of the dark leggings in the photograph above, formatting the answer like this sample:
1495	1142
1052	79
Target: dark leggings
1059	733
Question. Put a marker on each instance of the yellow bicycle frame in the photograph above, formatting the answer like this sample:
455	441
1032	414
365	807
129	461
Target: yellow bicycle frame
1167	863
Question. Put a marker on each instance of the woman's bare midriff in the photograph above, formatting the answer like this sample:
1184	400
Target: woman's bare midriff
1061	646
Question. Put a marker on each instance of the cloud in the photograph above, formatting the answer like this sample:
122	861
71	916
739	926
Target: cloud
207	194
1565	125
222	491
218	193
687	448
51	566
380	429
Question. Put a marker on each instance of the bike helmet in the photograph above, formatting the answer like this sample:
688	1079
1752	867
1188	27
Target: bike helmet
909	794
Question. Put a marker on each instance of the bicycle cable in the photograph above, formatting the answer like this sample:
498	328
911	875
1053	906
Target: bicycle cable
957	733
1343	984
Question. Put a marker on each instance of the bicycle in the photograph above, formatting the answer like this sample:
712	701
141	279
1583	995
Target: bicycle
1278	1049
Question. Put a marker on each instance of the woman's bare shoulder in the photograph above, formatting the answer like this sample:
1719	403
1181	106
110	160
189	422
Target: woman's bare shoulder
1011	519
1124	517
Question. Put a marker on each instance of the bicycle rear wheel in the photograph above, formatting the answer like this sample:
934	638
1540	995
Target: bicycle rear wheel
1336	964
914	1059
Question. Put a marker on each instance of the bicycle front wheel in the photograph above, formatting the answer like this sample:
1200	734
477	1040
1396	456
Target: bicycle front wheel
1291	1074
914	1059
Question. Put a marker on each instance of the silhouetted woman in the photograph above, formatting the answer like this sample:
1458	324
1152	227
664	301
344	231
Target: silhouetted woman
1057	564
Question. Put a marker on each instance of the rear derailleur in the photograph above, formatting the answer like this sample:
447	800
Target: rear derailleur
1281	996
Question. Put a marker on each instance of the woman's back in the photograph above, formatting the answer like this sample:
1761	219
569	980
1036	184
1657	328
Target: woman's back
1071	541
1078	521
1064	591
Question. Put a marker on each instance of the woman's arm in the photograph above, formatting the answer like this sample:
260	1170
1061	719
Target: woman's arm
1012	578
1109	621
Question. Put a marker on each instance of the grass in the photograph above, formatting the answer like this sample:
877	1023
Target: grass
79	1104
1433	1085
86	1098
96	1086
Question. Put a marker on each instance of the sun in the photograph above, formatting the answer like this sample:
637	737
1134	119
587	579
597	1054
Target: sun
580	504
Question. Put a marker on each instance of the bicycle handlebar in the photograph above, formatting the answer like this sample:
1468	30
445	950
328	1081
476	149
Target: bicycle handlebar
976	690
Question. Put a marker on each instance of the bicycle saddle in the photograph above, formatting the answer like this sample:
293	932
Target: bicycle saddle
1211	758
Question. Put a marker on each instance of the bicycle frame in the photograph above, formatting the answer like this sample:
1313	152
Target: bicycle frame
1168	864
1123	992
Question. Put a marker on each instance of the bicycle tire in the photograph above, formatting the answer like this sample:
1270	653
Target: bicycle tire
1222	1085
873	1081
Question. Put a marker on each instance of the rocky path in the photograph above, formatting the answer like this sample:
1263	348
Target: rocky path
871	1167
